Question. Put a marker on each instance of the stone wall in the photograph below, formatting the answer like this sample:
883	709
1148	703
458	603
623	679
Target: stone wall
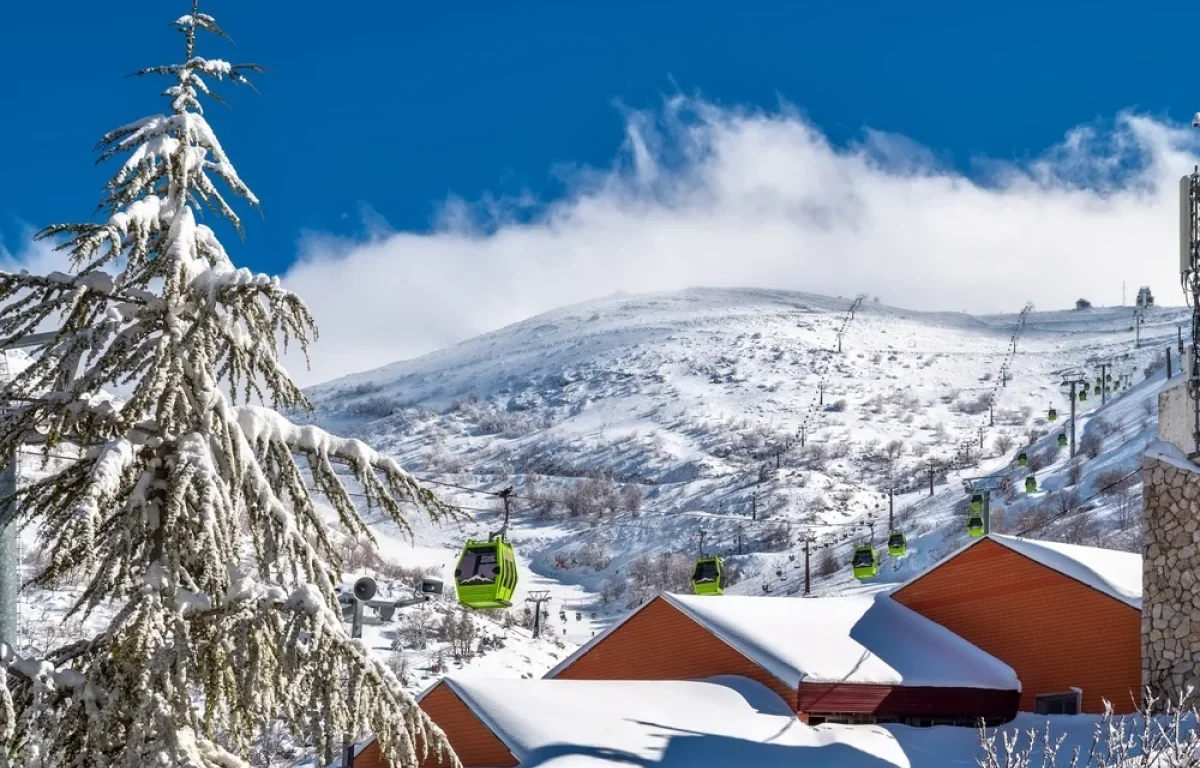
1170	571
1175	420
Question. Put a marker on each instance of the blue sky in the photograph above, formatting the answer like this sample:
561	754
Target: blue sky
398	105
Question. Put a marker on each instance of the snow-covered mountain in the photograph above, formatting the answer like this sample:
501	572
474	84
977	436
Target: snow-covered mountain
629	425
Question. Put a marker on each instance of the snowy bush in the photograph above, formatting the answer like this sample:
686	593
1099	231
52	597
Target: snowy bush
1004	443
827	562
1074	470
1162	735
975	406
1091	444
837	406
650	574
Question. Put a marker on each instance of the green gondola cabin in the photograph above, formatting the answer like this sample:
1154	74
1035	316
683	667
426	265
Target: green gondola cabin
486	575
708	576
1030	484
1022	459
1062	439
1052	415
975	526
864	563
897	544
977	502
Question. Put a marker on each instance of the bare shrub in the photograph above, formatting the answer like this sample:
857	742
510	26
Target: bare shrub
974	407
827	562
893	450
613	588
1162	733
1064	500
631	499
649	575
1004	443
1079	529
1105	428
837	406
1091	444
777	537
597	495
1075	471
416	628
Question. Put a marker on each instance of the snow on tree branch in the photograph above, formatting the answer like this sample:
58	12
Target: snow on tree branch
190	509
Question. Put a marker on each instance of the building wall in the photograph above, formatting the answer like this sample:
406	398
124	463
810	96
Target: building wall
1175	420
1170	591
662	643
474	744
1055	632
907	701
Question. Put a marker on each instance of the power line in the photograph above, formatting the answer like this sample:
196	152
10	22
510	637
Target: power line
1078	507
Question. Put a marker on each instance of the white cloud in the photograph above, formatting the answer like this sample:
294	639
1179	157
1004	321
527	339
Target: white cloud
702	196
705	196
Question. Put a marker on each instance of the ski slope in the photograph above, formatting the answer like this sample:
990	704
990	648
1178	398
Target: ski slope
698	399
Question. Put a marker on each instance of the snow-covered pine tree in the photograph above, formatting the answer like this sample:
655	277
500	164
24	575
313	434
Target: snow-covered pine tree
190	512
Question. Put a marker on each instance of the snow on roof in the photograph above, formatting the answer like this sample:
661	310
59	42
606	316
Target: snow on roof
1169	453
665	723
854	638
1116	574
725	721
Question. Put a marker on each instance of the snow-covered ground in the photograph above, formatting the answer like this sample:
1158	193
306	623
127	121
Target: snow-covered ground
731	412
627	426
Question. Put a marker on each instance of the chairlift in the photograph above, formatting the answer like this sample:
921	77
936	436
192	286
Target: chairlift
897	544
1022	459
486	574
864	563
708	576
1031	484
977	502
975	525
1062	440
1052	415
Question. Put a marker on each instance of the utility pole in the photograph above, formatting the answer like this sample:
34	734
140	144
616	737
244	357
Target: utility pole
702	542
1071	381
803	430
739	539
1168	362
891	509
931	468
984	487
1189	269
821	387
981	442
991	413
537	597
1103	383
807	573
